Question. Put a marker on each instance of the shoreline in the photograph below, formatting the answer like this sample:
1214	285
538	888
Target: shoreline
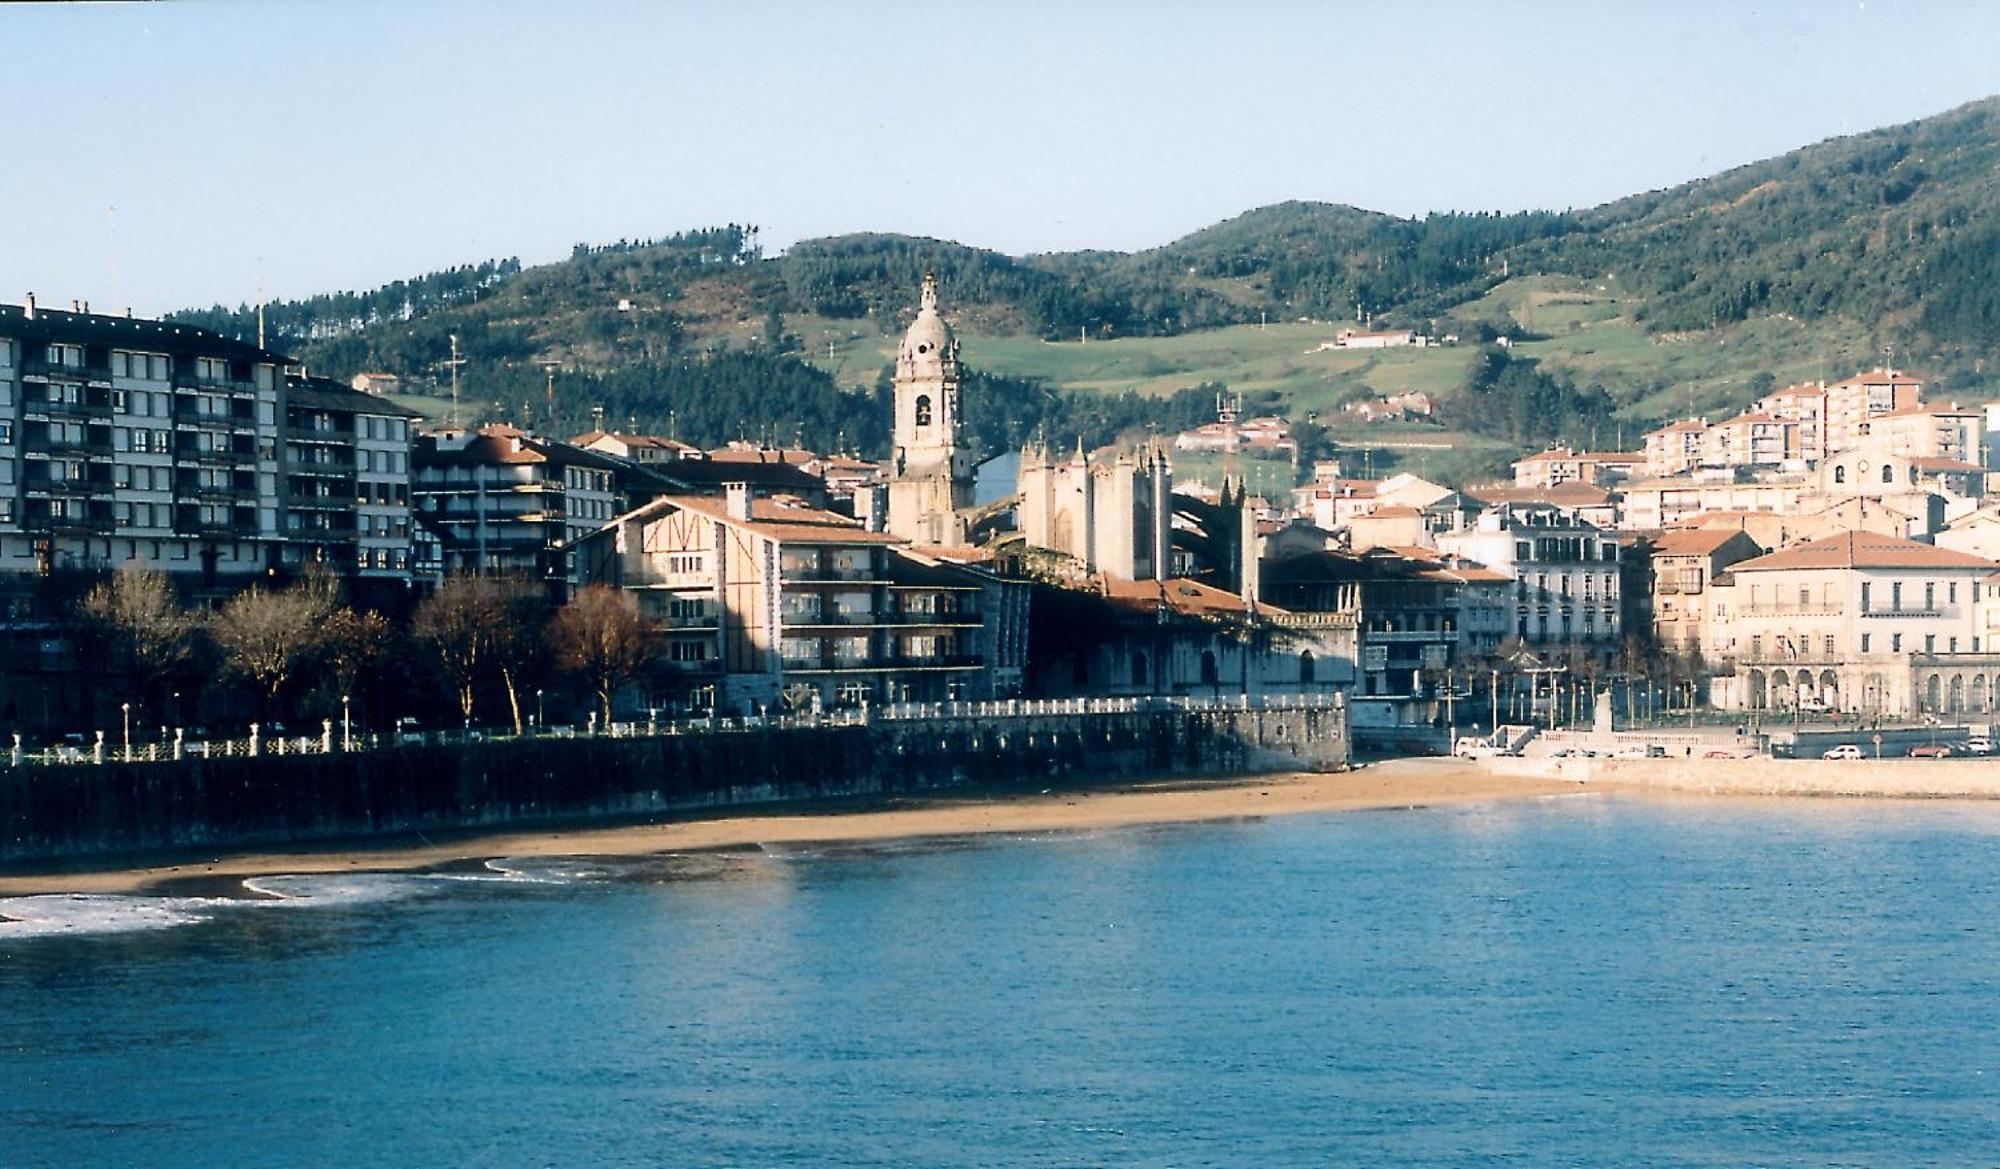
1403	782
1395	783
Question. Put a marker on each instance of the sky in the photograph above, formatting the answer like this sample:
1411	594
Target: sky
171	155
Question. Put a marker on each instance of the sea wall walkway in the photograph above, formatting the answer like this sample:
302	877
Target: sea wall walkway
239	799
1970	778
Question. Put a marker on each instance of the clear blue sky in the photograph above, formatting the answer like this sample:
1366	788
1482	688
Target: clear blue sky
343	145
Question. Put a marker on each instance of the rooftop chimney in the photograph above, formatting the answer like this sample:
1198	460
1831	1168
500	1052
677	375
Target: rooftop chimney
28	307
736	501
75	306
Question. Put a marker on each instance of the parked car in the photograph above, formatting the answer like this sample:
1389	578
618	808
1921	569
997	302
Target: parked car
1931	751
1844	751
1979	745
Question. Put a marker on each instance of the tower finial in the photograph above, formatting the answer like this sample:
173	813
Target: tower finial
929	301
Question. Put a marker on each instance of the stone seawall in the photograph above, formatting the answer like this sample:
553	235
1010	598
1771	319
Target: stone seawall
66	812
1977	779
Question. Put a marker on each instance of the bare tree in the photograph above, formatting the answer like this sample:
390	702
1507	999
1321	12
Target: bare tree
455	623
265	633
140	615
350	643
600	635
519	610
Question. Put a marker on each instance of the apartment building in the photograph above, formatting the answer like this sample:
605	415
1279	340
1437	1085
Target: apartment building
1851	403
1565	570
135	441
766	604
1560	464
1858	621
1684	563
502	500
347	479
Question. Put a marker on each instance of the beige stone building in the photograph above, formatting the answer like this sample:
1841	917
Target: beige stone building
1674	448
760	603
1685	562
1851	403
1560	464
1856	622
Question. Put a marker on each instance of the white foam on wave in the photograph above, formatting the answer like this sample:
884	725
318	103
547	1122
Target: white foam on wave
75	914
82	914
553	870
323	889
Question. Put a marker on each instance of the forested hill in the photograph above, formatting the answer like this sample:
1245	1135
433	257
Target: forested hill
1890	236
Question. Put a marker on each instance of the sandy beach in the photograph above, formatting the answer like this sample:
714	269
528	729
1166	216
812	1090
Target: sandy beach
1391	784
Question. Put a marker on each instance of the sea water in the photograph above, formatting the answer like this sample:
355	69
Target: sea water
1583	981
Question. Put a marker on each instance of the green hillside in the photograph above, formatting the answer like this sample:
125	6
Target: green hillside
1685	300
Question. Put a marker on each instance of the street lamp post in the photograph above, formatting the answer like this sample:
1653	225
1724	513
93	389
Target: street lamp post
346	725
127	708
540	719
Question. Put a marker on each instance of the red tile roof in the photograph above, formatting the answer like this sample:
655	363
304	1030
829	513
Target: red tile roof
785	523
1864	550
1693	541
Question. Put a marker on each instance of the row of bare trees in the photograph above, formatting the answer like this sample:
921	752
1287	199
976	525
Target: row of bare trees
283	645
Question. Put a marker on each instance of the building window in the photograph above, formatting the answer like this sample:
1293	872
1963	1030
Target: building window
1840	474
923	409
1864	642
1895	643
1930	643
1828	643
1888	473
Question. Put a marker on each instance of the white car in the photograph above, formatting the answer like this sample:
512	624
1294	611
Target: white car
1844	751
1979	745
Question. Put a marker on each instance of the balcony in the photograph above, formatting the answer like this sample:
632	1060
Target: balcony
59	409
813	620
671	623
1405	636
315	435
44	368
936	620
812	574
1826	609
321	468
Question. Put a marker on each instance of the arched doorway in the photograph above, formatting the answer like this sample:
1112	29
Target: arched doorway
1306	668
1873	692
1209	675
1957	699
1829	689
1933	691
1758	694
1978	695
1781	694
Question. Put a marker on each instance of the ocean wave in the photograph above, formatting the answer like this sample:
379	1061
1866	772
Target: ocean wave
76	914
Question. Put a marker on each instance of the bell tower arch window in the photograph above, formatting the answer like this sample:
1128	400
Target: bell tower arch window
923	409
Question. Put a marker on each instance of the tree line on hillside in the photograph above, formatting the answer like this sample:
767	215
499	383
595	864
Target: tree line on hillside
292	325
301	652
1513	398
1868	228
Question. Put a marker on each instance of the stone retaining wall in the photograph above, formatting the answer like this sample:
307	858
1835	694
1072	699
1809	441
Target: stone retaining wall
62	812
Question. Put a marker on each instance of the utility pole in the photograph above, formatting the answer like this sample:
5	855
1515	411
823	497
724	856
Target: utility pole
454	363
549	393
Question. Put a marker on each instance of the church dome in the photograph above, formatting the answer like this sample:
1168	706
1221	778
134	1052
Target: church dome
929	343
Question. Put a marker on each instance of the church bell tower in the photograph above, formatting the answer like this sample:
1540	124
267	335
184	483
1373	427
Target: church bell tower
930	478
